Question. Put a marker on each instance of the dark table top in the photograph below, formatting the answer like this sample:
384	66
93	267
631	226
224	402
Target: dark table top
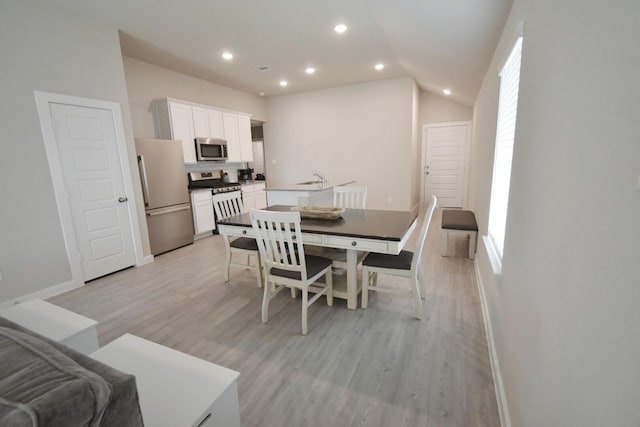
362	223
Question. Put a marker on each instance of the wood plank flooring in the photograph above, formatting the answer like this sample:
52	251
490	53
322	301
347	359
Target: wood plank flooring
373	367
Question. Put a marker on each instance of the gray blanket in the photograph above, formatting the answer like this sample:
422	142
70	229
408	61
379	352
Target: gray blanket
43	383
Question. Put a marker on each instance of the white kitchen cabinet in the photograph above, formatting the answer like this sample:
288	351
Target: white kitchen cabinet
207	123
181	119
174	120
232	135
184	121
237	131
203	219
244	133
216	127
201	122
254	196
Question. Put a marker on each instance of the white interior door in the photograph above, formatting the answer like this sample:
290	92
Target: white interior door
445	163
87	146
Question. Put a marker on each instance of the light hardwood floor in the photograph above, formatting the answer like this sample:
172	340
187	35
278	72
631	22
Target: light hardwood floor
373	367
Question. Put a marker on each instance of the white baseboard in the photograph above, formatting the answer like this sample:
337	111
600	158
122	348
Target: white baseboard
144	261
501	397
44	294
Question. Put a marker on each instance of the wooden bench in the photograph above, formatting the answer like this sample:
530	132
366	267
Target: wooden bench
459	222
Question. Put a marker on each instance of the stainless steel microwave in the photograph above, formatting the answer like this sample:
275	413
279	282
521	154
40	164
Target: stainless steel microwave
211	149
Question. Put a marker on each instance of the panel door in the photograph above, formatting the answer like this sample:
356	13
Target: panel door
87	146
445	168
182	129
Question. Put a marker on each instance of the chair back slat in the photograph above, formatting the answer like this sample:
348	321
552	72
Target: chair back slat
423	232
350	197
279	240
228	204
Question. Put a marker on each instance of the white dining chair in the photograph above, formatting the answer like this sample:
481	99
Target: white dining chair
227	205
350	197
405	264
285	264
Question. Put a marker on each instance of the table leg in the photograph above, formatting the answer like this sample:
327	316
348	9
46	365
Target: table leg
352	279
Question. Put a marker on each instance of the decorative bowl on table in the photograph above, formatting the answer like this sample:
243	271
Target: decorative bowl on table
318	212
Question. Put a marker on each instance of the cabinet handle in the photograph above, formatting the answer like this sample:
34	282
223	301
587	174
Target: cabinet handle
354	243
122	199
244	231
294	237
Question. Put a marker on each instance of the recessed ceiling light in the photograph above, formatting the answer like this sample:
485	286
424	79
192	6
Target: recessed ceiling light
261	93
379	67
340	28
310	70
446	91
227	56
283	83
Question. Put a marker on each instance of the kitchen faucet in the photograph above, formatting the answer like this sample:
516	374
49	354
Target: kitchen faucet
322	176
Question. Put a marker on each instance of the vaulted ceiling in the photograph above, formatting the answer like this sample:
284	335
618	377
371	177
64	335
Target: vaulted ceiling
441	44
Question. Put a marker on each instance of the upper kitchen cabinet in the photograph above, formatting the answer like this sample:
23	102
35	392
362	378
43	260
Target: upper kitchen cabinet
207	123
174	120
237	131
186	121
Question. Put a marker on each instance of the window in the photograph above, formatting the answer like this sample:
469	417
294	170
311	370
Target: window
505	133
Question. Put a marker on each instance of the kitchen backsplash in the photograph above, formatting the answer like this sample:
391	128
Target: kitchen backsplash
230	168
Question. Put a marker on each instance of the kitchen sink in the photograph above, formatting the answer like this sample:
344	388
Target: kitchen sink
309	182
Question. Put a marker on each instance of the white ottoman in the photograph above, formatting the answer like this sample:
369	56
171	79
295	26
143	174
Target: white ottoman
55	323
175	389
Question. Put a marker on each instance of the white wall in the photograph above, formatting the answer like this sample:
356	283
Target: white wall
565	310
361	132
438	109
47	49
146	82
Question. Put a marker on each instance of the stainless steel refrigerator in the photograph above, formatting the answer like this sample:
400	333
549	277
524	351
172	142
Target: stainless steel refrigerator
166	197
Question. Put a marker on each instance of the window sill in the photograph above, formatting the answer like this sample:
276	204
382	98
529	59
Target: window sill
494	259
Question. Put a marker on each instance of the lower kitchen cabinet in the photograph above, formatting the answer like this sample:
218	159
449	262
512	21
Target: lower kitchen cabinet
203	219
254	196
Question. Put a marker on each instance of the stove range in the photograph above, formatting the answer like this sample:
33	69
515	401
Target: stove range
209	180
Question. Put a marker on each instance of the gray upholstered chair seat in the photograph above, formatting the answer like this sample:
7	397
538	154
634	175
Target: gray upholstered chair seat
402	261
314	264
244	243
454	219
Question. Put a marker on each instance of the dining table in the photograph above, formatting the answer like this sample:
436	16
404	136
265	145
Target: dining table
354	233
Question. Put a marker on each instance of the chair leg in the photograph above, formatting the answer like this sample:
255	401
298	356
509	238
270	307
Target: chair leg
259	269
423	285
472	244
416	295
227	258
443	247
365	287
305	299
265	302
329	280
294	293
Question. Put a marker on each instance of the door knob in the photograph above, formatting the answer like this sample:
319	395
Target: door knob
122	199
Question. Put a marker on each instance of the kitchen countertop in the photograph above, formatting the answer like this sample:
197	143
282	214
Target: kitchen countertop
307	187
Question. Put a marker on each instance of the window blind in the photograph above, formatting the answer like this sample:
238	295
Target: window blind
505	133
